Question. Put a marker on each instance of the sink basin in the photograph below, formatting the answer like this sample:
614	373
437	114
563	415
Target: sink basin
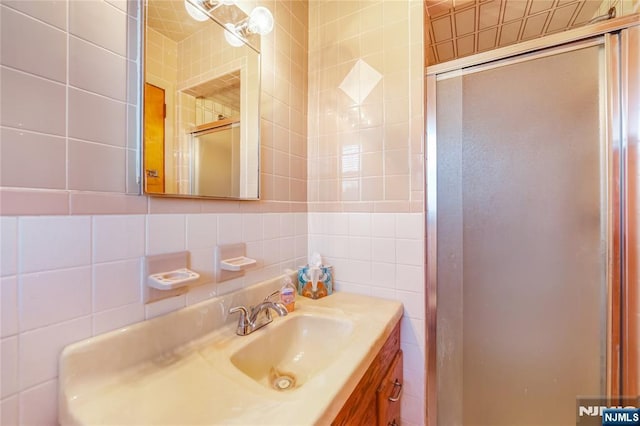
287	355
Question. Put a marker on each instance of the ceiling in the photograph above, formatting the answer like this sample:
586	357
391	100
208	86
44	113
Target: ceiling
460	28
224	90
170	18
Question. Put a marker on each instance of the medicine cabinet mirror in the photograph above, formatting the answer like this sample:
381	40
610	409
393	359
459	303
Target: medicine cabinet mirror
201	119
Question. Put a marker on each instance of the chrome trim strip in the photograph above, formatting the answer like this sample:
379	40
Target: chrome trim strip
432	259
613	202
536	44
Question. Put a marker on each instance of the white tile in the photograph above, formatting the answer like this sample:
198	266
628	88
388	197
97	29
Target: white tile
9	306
202	261
409	278
32	103
53	12
337	224
287	225
410	252
413	304
116	284
254	251
383	275
360	248
165	306
39	406
314	223
271	226
356	271
100	23
271	252
9	366
383	225
337	246
383	293
360	224
413	331
287	249
202	231
9	245
96	118
301	248
384	250
252	227
118	237
108	79
165	233
412	408
120	4
9	411
39	349
54	242
33	46
229	228
410	226
117	318
301	223
54	296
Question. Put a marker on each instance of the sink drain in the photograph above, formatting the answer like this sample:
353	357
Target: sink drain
282	381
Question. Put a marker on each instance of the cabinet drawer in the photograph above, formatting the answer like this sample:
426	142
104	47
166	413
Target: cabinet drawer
389	394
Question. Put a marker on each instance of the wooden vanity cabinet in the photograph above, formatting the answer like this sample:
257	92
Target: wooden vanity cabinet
376	398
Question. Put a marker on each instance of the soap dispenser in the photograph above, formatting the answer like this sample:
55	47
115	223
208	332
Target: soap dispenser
288	294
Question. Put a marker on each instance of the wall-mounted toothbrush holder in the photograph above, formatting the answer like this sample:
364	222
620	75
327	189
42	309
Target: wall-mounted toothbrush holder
172	279
167	275
231	261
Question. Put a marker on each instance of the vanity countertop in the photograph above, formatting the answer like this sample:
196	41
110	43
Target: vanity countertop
118	379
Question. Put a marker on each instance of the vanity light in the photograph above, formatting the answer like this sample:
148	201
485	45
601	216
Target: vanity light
195	7
194	12
260	21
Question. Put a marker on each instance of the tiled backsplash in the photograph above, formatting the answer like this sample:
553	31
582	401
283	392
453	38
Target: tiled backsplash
382	255
66	278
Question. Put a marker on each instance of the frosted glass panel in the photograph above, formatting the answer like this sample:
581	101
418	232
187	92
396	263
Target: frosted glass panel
521	257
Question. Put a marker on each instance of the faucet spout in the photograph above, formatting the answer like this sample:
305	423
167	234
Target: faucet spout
250	319
280	309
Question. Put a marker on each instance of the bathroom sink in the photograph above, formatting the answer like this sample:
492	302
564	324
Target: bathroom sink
287	354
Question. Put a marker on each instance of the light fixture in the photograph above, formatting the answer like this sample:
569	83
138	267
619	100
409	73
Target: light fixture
260	21
196	8
232	36
195	12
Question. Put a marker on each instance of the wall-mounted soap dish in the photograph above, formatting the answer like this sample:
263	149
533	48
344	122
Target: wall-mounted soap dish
237	263
172	279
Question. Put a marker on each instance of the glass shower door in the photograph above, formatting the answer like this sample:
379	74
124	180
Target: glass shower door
521	239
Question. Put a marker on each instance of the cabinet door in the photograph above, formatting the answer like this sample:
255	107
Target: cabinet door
389	393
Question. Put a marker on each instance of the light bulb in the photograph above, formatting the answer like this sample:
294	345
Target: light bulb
194	12
232	36
260	21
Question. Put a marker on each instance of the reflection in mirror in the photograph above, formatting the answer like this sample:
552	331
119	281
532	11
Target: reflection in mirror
201	115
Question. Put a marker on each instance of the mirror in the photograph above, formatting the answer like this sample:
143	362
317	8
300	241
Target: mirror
201	104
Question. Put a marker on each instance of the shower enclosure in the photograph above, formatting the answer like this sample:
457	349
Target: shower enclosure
531	192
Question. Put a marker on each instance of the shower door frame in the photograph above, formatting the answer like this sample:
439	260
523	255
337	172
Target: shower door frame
622	337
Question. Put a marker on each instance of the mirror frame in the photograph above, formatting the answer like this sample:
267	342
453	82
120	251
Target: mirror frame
253	42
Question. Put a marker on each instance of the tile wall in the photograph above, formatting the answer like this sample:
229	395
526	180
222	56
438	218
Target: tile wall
67	227
365	177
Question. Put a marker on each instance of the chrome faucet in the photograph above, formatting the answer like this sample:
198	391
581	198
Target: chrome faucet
257	316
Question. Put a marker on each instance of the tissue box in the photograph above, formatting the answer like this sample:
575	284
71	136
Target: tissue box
323	287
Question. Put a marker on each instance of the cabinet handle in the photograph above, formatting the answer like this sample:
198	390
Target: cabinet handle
397	385
392	423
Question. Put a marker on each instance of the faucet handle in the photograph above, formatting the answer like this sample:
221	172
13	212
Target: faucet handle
244	322
275	293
